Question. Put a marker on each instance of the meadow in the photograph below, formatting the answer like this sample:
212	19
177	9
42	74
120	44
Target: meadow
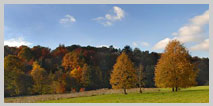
199	94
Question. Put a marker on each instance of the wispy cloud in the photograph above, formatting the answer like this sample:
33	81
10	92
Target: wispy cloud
67	19
144	44
16	42
134	44
108	20
137	44
194	31
204	46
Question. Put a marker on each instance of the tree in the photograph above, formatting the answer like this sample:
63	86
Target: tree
25	53
73	60
123	74
91	77
40	52
13	66
148	76
41	80
140	76
23	84
59	83
174	69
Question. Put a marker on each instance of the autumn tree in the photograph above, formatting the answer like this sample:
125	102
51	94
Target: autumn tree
59	82
123	75
73	60
40	52
12	67
25	53
140	77
174	69
73	63
41	80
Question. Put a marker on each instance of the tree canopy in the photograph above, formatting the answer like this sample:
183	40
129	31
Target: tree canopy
174	69
124	74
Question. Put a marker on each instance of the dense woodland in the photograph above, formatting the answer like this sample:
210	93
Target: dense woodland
40	70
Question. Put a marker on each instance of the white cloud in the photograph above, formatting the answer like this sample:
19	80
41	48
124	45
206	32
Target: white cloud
67	19
161	44
134	44
117	15
144	44
103	46
201	46
194	31
16	42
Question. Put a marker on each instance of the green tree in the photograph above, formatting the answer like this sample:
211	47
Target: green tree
174	69
91	77
123	74
23	84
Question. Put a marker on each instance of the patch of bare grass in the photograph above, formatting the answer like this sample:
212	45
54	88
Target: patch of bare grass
39	98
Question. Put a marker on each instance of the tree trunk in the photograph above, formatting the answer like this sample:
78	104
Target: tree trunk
140	90
176	89
125	91
173	89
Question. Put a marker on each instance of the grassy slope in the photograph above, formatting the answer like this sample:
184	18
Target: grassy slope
190	95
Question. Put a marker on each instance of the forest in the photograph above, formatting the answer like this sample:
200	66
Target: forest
40	70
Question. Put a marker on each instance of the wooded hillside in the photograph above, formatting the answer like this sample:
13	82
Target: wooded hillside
40	70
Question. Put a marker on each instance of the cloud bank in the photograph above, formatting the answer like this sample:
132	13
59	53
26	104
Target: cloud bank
16	42
192	32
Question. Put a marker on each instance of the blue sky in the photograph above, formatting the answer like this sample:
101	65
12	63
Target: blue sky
148	27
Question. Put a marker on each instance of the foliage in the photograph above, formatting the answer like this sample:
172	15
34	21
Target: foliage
91	68
91	77
73	61
25	53
123	74
174	69
41	80
12	68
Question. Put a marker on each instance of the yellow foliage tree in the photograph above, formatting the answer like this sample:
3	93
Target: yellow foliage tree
77	74
40	77
123	75
174	69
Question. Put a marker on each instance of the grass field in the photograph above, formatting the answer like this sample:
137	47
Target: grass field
190	95
199	94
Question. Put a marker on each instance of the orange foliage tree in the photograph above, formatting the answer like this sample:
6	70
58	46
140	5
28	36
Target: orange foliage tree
123	75
73	62
174	69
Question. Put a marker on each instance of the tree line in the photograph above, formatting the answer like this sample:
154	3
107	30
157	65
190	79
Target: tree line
40	70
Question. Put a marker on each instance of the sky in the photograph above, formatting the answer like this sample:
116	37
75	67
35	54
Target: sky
144	26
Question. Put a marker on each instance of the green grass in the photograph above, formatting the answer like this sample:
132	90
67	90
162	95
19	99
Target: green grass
198	94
